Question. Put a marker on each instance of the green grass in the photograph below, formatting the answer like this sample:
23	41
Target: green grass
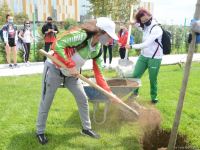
20	97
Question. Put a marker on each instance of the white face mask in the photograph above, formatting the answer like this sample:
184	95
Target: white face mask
103	39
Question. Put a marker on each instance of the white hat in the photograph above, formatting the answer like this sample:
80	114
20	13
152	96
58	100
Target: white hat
108	26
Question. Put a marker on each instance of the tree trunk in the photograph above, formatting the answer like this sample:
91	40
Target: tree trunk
173	136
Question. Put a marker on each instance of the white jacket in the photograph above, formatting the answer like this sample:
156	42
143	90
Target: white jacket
148	45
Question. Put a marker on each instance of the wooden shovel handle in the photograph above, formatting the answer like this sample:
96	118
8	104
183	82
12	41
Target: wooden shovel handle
110	95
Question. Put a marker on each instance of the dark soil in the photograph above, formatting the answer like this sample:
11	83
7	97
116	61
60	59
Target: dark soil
122	82
159	139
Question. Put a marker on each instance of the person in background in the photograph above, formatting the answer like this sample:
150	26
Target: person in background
151	52
108	46
10	39
49	30
73	49
123	36
27	37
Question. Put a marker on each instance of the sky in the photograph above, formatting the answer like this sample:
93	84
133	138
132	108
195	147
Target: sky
174	11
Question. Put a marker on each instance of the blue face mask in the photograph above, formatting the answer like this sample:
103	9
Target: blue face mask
10	20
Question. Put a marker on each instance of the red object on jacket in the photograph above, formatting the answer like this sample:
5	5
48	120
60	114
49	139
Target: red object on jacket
123	37
49	38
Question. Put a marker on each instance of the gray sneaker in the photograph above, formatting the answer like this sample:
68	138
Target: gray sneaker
90	133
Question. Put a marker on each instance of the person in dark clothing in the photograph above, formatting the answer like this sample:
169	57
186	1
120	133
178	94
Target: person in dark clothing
108	46
49	30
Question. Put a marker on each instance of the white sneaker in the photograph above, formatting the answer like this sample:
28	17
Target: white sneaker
109	66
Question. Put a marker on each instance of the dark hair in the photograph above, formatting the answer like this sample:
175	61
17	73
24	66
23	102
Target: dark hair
8	15
141	12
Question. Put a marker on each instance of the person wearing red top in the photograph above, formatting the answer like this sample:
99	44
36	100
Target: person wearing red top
123	36
49	30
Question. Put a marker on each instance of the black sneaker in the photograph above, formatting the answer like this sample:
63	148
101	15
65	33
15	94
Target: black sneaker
90	133
10	66
42	139
154	101
15	65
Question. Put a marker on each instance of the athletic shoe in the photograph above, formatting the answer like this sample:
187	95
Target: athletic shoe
154	101
15	66
10	66
42	139
90	133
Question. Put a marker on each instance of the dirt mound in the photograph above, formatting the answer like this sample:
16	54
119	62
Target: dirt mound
159	139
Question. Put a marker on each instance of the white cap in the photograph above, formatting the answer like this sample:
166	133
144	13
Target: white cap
108	26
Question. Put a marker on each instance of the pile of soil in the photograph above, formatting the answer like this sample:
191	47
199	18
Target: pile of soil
153	137
159	139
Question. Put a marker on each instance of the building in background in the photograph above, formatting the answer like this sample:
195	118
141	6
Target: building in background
84	9
58	9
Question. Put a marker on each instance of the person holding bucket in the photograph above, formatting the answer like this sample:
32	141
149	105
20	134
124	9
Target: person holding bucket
73	48
151	52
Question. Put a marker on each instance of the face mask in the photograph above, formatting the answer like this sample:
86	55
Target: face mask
103	39
148	22
49	23
27	26
10	21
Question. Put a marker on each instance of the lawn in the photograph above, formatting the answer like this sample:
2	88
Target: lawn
20	97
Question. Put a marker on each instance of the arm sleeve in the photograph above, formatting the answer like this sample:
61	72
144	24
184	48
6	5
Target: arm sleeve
98	75
44	29
56	29
5	34
156	32
16	35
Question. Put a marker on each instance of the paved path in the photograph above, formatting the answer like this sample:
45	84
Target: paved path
37	67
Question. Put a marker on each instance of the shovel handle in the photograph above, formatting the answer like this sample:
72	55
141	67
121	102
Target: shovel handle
110	95
129	31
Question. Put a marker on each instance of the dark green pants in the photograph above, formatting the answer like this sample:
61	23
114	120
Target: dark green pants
153	66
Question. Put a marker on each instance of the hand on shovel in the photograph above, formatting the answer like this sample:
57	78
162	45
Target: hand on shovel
73	71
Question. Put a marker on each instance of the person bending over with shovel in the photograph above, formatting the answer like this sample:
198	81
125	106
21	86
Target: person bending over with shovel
151	52
73	48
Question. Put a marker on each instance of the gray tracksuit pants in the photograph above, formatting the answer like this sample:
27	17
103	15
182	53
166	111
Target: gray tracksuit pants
52	78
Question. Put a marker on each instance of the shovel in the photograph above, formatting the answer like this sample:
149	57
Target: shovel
109	95
125	61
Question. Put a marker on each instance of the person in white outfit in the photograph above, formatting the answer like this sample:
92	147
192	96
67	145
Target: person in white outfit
27	37
151	52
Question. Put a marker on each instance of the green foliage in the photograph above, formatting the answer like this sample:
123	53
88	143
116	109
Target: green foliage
20	18
4	10
118	9
69	23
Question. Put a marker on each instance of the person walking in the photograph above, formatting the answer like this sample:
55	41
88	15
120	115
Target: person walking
151	52
49	30
73	48
26	37
10	39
